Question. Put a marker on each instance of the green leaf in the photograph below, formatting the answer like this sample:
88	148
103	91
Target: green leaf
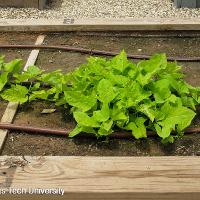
3	80
118	114
147	110
118	80
180	86
107	125
161	90
105	128
79	100
78	129
175	118
120	62
1	62
172	99
41	94
172	70
138	128
149	68
84	120
14	66
169	139
75	131
137	94
103	114
131	95
105	91
16	93
189	102
36	86
56	79
31	72
96	66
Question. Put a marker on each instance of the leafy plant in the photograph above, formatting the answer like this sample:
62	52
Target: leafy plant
109	95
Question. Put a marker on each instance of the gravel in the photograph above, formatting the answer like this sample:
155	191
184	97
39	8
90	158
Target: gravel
102	9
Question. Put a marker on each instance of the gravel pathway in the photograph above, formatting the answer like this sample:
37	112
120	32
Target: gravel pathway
103	9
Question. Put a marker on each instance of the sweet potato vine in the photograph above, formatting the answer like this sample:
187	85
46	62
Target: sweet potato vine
108	95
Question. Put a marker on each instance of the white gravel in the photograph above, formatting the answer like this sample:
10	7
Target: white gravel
103	9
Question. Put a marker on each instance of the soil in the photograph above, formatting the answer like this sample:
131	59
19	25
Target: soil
16	38
32	144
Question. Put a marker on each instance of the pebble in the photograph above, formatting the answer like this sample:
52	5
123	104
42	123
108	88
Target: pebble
102	9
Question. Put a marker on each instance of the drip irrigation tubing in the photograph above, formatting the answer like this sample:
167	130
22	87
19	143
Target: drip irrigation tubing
59	132
94	52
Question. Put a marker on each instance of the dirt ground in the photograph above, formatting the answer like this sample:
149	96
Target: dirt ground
31	144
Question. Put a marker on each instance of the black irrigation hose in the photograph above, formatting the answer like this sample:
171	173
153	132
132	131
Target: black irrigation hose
93	51
58	132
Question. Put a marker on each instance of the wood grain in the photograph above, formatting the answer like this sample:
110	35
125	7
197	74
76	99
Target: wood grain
111	177
125	24
11	109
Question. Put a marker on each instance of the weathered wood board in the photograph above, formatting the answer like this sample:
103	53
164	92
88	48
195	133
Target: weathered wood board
23	3
110	178
126	24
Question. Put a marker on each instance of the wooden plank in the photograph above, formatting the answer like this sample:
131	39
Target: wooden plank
42	4
187	4
23	3
106	177
126	24
11	109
